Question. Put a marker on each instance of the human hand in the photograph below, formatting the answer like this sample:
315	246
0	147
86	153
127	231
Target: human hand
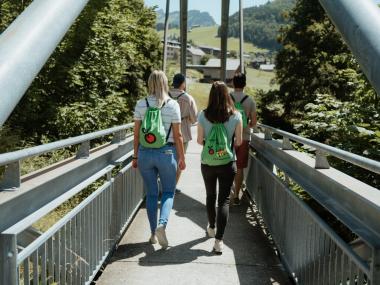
181	164
134	163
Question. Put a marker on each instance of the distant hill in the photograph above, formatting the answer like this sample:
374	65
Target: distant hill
195	18
262	23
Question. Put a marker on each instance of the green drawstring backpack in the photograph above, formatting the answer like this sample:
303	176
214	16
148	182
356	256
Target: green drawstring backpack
239	107
152	131
216	150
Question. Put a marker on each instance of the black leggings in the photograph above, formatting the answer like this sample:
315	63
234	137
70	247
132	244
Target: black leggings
224	174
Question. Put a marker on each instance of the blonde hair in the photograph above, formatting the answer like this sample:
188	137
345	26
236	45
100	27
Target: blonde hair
158	86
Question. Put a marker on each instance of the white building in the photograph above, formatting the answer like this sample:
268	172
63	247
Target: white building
194	55
267	67
212	70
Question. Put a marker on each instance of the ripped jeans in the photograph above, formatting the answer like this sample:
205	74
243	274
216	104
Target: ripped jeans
154	162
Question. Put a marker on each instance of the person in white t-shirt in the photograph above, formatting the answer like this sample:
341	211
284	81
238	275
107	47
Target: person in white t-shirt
163	161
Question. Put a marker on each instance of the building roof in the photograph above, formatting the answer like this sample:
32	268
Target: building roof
208	47
195	51
232	64
267	66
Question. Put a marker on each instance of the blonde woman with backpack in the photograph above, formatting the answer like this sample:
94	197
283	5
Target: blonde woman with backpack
158	151
219	130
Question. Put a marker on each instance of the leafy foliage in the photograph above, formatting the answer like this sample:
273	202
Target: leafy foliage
261	24
323	93
95	75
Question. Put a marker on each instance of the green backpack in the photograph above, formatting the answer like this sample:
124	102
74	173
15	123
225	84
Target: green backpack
216	150
239	107
152	131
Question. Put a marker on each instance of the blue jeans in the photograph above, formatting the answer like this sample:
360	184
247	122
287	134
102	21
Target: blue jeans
154	162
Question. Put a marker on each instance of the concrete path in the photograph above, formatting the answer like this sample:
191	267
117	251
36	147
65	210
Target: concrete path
248	257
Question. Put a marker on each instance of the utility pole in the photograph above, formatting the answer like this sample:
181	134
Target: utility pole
183	34
165	56
241	22
224	38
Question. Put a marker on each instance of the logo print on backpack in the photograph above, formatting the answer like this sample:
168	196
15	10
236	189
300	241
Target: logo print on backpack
211	151
150	138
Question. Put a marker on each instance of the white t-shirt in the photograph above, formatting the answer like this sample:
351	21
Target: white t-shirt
170	112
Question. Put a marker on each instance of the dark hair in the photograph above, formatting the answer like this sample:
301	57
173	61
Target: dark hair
178	79
239	80
220	105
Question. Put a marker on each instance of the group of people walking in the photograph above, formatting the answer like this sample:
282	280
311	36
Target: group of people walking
162	131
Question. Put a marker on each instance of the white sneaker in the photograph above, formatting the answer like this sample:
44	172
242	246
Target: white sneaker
161	236
153	239
210	232
218	246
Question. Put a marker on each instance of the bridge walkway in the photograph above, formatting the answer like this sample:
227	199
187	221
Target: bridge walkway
248	256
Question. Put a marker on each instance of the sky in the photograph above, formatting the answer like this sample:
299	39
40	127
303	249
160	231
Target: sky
211	6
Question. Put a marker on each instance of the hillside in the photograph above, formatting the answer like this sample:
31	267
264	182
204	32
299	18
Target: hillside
262	23
207	36
195	18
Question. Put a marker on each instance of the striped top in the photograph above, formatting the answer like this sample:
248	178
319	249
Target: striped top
188	112
170	112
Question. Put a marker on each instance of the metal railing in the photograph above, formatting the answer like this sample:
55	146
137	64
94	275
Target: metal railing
310	249
27	44
73	249
322	149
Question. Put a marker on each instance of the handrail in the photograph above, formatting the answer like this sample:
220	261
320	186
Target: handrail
10	157
366	163
359	24
27	44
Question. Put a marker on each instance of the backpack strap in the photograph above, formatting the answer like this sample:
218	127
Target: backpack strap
245	98
170	128
147	103
171	96
168	134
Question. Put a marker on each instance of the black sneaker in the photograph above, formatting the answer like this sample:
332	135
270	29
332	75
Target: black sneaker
178	190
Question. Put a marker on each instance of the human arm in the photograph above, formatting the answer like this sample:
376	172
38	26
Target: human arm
136	137
177	136
200	134
193	111
252	119
239	133
252	115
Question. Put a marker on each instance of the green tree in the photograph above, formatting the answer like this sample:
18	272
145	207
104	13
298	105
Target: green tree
262	23
96	74
323	93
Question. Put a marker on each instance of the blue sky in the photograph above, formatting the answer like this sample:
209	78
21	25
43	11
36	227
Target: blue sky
211	6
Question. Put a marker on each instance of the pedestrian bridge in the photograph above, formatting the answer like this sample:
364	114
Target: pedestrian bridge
274	237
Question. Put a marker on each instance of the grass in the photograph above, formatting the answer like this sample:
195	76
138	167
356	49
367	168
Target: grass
208	36
260	79
200	92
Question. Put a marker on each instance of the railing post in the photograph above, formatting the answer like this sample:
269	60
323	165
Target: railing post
8	259
286	145
12	177
119	136
84	150
267	135
321	160
375	267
